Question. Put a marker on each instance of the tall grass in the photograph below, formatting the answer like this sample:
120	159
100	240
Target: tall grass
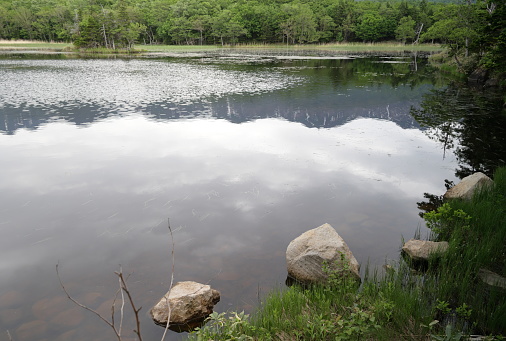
342	47
176	48
382	47
31	45
479	245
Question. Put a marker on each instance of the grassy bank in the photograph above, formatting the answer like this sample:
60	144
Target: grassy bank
381	47
177	48
341	47
447	301
32	45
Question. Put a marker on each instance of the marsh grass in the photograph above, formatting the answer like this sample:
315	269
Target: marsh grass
382	47
342	47
445	302
177	48
31	45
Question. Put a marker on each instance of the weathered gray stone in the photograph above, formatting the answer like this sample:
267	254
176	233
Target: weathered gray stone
466	188
420	250
491	278
190	303
306	255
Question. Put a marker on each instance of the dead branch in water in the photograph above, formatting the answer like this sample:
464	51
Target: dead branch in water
117	332
130	299
112	323
123	290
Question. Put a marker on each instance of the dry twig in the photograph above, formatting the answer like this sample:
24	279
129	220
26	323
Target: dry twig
171	279
130	299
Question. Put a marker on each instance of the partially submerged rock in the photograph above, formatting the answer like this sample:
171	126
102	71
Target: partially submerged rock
307	254
491	278
421	250
190	304
466	188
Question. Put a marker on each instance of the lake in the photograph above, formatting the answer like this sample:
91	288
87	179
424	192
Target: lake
242	152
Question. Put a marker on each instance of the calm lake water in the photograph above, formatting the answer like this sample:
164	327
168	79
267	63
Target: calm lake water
242	152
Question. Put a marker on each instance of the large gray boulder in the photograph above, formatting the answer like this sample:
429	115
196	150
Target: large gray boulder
466	188
307	254
190	304
421	250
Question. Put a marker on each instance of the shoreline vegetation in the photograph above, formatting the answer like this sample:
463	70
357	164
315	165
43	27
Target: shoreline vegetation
446	301
26	45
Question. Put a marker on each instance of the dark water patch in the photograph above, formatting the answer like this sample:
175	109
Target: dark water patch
471	121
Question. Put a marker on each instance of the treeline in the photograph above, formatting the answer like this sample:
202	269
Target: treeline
121	23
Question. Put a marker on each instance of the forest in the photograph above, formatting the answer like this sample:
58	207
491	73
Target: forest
472	26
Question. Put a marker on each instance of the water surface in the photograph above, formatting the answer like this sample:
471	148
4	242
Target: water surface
242	154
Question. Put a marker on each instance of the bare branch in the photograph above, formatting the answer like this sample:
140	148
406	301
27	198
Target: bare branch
491	8
136	311
113	309
171	279
9	335
87	308
122	303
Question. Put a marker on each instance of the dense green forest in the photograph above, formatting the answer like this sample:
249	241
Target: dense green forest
463	25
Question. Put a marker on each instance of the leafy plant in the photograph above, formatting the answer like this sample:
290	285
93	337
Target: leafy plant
359	323
464	311
445	219
442	307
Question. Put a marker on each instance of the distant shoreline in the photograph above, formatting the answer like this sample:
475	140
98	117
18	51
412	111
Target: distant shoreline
34	47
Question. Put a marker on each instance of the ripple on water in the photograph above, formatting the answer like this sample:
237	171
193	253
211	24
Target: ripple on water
130	83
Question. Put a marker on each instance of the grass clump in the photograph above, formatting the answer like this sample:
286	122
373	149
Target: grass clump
446	302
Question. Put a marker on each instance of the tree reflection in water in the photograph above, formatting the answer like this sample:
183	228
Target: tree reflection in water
472	123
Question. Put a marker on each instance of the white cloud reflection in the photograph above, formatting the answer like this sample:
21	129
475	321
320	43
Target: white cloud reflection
99	196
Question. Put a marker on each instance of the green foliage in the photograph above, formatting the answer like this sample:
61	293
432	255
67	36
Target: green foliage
445	220
406	29
374	27
299	24
226	327
442	307
120	23
493	37
464	311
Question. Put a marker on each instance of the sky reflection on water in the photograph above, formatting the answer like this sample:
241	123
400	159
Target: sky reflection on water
97	195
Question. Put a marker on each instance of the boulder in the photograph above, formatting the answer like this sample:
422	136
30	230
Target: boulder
307	254
466	188
420	250
190	304
492	279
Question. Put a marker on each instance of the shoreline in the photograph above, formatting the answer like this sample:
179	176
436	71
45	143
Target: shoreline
147	51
